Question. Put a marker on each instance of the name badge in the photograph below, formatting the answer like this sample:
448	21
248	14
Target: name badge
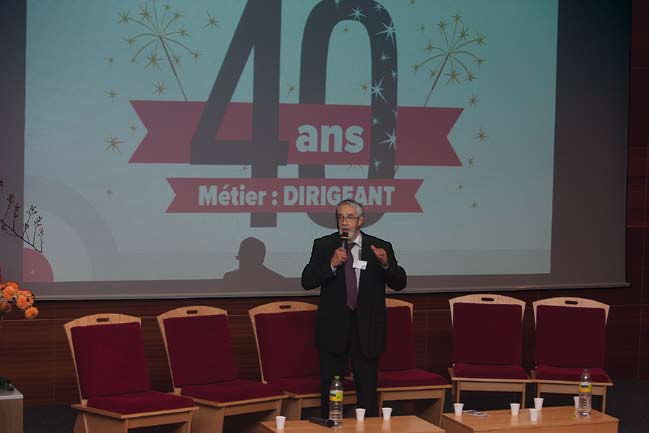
360	264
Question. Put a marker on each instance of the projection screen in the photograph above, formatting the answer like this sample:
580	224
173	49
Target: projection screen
196	148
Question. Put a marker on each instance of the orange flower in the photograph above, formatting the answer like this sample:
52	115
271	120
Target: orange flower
26	292
31	312
9	292
23	302
5	307
11	284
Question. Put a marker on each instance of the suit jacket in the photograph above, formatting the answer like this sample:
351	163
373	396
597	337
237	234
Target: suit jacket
333	318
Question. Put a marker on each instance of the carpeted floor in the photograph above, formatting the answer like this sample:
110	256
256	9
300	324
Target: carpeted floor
628	401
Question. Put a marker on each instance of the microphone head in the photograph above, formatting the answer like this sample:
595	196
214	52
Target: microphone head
344	236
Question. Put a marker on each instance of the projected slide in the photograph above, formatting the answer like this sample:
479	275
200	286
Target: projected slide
212	139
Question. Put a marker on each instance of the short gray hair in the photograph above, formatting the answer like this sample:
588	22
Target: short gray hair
356	205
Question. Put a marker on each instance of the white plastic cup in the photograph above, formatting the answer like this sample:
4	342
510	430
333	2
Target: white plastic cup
457	407
576	398
538	403
515	408
360	414
280	421
534	415
387	413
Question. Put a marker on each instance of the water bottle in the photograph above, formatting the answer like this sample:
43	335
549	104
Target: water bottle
336	401
585	393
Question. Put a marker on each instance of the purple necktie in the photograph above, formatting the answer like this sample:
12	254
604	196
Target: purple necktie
350	278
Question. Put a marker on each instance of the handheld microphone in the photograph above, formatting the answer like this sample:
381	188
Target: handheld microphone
327	422
344	237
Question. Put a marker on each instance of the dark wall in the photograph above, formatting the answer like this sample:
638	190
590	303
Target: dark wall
34	354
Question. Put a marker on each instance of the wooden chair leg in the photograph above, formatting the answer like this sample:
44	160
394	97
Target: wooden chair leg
457	392
208	419
437	409
523	394
277	410
292	408
604	399
80	424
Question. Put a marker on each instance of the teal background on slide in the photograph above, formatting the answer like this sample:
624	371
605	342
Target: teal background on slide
492	215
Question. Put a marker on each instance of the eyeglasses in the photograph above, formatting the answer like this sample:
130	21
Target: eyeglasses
343	218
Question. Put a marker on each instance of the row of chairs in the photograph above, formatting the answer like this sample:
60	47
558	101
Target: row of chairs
570	335
116	394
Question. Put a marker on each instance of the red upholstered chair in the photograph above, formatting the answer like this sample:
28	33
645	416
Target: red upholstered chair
113	379
285	334
570	336
197	342
487	345
399	377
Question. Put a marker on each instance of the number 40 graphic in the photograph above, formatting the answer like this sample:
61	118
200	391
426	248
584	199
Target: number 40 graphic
260	28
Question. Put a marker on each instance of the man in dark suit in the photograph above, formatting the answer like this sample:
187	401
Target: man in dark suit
352	275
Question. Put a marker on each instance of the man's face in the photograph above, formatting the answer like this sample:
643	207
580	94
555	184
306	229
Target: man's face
348	221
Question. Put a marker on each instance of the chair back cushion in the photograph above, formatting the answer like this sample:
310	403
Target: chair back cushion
400	343
487	334
199	349
286	344
110	359
570	336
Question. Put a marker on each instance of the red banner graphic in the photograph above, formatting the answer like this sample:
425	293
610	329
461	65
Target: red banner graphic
317	134
261	195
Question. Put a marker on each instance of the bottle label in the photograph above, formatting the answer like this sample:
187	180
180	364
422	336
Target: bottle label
585	387
336	395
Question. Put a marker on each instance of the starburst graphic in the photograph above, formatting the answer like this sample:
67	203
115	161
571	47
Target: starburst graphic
212	22
132	128
384	58
481	135
460	187
357	13
365	87
391	141
375	121
113	143
160	31
454	51
453	77
124	17
112	94
153	61
378	7
159	88
470	161
291	89
473	100
473	205
110	61
389	32
377	91
376	163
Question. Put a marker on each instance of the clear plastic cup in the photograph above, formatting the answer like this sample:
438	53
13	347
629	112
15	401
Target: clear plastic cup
515	408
